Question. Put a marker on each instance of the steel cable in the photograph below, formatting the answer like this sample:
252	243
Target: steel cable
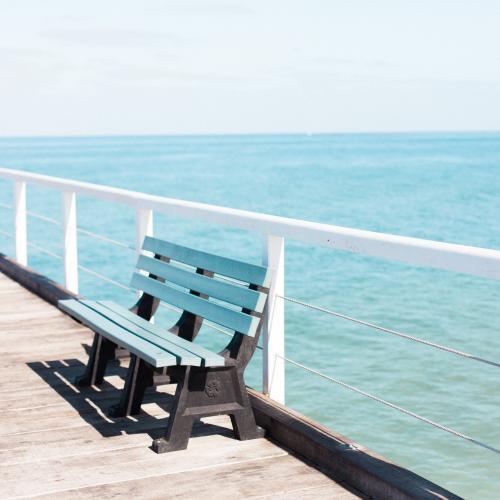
87	232
391	405
106	239
9	235
392	332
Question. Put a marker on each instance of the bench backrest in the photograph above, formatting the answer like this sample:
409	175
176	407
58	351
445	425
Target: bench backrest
239	288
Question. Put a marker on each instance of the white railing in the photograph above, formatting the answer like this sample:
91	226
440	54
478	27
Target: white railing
459	258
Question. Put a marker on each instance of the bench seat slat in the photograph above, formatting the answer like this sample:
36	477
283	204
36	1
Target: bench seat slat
121	326
243	271
148	352
232	293
182	356
211	358
235	320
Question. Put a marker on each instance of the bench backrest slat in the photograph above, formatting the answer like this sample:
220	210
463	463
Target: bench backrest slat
232	293
235	320
243	271
226	291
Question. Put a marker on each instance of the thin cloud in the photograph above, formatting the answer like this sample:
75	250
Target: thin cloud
128	74
154	76
352	62
112	37
18	53
374	75
207	8
215	9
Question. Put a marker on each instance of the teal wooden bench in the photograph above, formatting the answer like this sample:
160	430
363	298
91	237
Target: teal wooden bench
204	286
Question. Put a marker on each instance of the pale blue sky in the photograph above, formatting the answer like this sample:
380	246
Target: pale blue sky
193	66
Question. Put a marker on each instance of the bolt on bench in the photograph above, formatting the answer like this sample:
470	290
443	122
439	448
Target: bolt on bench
208	383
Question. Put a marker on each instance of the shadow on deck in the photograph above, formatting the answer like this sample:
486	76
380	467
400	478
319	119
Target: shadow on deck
92	403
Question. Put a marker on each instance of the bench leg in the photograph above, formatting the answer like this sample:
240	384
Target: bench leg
178	434
243	420
179	425
203	392
103	350
139	378
244	425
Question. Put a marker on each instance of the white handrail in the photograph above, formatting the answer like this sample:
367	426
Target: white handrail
460	258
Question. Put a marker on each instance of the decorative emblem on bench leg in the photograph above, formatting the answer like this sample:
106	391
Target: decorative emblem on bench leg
212	388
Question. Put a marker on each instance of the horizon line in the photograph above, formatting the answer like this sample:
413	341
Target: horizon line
222	134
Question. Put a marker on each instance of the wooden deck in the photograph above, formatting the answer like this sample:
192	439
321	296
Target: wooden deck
57	442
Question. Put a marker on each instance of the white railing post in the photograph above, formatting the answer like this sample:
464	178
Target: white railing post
273	363
143	227
70	245
20	224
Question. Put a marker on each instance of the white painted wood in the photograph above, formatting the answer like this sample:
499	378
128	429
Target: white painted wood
70	244
460	258
273	364
143	228
20	223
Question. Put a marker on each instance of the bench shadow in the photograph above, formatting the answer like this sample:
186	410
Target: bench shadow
87	348
92	403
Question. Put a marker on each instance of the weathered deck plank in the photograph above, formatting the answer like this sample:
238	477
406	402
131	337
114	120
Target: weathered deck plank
56	440
205	483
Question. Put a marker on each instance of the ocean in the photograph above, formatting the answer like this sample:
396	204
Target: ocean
442	186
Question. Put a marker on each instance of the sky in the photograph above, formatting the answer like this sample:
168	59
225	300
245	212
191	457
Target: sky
218	66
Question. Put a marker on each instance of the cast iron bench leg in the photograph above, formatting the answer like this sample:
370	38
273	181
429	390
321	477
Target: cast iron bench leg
179	426
103	350
139	378
208	391
243	421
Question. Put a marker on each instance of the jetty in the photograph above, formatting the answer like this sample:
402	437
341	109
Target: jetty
57	440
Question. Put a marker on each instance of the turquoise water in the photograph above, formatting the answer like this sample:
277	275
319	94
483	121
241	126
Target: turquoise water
438	186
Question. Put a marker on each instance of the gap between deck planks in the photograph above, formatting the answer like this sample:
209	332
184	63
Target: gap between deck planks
56	441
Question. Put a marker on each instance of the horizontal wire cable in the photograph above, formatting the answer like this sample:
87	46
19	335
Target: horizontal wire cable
105	278
83	268
9	235
105	238
392	332
387	403
44	250
45	218
82	231
391	405
6	205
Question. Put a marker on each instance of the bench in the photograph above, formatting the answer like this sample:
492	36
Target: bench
208	383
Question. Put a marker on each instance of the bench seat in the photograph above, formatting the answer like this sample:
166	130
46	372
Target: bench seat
155	345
